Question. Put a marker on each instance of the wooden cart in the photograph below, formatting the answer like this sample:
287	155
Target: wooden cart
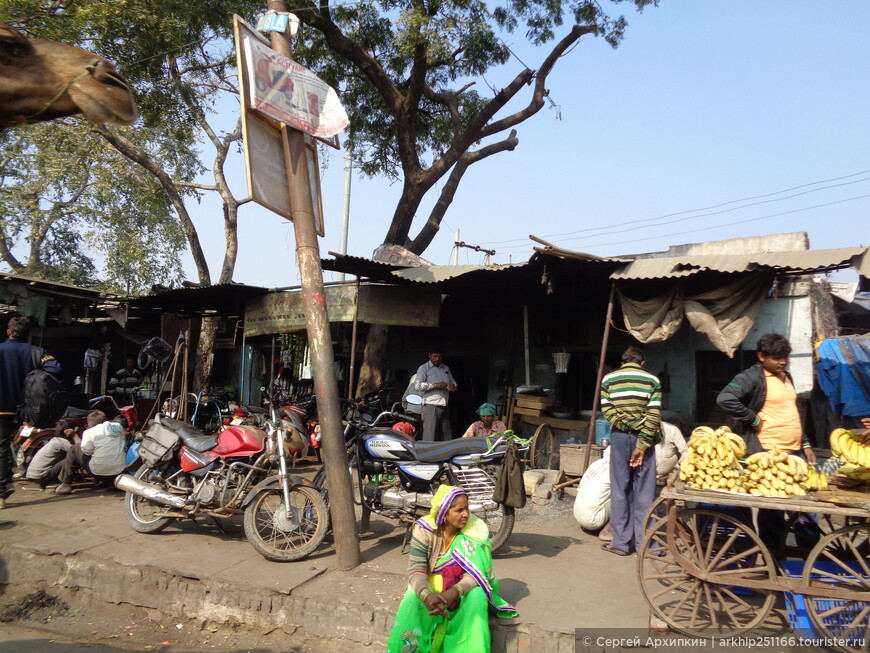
704	570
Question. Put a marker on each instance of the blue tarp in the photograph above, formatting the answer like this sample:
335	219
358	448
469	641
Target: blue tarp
843	372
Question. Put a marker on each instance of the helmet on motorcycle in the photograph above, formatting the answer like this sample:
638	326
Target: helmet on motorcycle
404	427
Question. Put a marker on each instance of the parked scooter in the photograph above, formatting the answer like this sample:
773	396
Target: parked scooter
240	470
396	476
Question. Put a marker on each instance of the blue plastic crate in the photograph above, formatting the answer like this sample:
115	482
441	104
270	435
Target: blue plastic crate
796	604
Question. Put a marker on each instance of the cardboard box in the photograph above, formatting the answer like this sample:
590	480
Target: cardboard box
571	457
533	401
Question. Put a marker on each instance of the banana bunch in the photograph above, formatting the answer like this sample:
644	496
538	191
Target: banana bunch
817	480
775	474
855	472
712	462
849	448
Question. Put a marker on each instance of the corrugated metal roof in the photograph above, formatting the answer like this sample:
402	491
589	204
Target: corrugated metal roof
806	261
65	289
360	266
223	298
437	273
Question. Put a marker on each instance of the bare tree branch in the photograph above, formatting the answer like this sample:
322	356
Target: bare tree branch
445	199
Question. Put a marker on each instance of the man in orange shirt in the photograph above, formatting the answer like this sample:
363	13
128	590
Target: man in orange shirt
764	400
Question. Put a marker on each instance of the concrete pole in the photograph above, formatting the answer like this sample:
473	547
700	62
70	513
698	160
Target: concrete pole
319	339
345	213
456	249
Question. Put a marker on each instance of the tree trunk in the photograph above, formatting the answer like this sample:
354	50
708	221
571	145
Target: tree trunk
371	374
202	371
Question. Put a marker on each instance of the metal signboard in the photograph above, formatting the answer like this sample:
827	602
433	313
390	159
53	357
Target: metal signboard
265	165
287	91
393	305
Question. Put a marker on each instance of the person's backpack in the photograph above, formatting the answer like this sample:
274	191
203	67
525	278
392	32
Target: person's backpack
43	398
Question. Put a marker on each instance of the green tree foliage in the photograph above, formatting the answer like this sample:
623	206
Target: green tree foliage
410	69
68	202
179	59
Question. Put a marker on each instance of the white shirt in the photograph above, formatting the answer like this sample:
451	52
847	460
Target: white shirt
104	443
427	376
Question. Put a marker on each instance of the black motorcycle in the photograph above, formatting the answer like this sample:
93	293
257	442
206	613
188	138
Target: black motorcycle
396	476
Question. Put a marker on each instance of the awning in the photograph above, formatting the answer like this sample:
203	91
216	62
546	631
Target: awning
797	262
220	299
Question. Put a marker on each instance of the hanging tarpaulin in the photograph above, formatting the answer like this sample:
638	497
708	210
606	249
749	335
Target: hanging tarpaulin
653	320
287	91
843	371
725	315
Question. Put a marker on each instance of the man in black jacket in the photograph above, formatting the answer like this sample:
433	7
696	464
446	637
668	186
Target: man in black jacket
17	358
764	400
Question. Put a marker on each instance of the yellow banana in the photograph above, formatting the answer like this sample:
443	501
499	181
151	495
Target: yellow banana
703	431
835	441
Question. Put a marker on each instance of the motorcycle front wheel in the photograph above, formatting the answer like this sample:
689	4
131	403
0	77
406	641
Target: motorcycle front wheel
145	516
280	535
499	519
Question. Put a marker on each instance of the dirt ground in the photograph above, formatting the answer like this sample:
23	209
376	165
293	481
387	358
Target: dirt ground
39	622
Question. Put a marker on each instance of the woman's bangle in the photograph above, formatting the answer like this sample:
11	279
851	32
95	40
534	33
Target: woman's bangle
426	592
459	591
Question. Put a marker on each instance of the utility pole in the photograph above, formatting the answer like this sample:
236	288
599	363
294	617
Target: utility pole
319	339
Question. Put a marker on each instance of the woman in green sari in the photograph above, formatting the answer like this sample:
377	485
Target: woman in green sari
451	588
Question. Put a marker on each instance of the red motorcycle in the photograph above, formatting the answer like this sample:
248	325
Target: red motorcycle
240	470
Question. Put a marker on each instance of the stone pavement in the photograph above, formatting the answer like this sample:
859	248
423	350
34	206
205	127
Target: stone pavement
82	548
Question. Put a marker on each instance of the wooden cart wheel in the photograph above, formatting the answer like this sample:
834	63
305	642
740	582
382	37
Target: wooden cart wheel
657	511
840	561
810	532
717	544
544	451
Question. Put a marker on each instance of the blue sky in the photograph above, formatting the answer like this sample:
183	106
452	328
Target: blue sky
704	104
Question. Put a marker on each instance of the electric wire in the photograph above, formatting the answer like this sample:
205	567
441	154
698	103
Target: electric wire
729	224
707	208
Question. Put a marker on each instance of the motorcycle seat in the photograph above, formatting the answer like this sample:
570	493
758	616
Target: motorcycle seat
191	436
439	452
75	413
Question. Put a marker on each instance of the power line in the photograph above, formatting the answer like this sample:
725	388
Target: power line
729	224
707	208
703	215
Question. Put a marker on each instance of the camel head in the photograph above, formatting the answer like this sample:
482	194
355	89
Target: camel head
42	80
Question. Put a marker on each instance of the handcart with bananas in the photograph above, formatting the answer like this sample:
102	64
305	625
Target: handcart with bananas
705	571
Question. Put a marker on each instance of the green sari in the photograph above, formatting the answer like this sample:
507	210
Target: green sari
466	628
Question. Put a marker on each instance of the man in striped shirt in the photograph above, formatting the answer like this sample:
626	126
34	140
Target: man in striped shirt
631	400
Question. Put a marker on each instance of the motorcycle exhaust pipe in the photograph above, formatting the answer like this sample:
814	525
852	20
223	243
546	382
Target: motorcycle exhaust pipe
151	492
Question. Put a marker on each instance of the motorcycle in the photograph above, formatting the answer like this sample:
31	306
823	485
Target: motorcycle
396	476
240	470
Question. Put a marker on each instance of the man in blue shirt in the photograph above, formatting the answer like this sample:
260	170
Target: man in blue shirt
17	359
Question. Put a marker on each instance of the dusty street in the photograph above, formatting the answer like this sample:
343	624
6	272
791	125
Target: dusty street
41	623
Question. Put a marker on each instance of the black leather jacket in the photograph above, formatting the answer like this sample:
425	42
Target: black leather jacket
742	398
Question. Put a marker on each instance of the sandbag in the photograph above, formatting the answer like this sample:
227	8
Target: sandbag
592	503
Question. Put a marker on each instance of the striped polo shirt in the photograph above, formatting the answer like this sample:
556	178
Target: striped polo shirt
631	400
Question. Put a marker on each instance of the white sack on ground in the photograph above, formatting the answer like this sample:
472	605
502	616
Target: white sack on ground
592	503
